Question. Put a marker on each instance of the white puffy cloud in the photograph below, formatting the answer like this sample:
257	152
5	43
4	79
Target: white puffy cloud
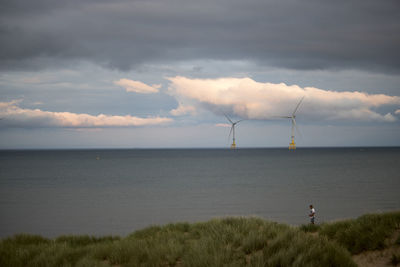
137	86
247	98
14	115
397	111
183	110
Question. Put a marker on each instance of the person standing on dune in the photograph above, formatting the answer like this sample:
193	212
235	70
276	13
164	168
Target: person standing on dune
312	214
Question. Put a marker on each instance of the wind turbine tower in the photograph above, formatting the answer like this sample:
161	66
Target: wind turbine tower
292	145
232	132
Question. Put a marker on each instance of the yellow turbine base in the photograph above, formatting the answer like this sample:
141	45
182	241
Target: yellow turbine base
292	145
233	146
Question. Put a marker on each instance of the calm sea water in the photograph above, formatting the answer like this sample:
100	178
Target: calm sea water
114	192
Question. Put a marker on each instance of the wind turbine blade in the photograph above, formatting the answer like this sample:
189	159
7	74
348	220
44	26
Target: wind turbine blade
282	117
297	106
228	118
297	128
239	121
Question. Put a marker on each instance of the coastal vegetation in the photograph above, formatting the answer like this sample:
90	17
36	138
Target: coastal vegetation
233	241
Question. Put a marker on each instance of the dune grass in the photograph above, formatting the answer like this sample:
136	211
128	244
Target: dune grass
398	241
395	260
33	250
219	242
368	232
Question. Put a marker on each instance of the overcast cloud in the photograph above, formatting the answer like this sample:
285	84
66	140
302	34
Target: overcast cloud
122	34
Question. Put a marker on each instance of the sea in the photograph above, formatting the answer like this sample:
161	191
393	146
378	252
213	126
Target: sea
115	192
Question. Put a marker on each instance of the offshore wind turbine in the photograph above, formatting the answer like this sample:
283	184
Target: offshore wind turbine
233	145
292	145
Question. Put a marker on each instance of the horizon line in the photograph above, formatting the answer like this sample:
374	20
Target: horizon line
192	148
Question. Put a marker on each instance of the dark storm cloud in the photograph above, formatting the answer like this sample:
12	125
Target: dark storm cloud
309	34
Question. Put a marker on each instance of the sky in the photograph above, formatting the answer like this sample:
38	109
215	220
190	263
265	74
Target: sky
164	73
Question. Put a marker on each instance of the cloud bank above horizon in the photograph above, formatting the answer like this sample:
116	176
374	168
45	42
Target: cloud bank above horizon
13	115
246	98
